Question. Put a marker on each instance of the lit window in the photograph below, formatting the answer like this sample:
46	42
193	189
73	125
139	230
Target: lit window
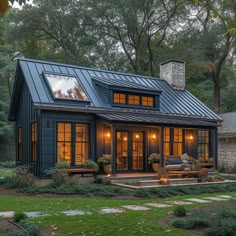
119	98
82	144
203	144
178	142
66	87
64	142
167	141
133	100
20	150
147	101
34	141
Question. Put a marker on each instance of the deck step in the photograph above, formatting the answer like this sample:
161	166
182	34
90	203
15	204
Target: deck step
171	181
132	179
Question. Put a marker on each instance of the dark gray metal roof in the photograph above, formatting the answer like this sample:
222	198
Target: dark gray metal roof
228	126
153	119
172	102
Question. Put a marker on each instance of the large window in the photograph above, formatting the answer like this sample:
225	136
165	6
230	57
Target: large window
66	87
20	149
64	142
82	144
34	141
72	143
167	150
203	144
178	142
119	98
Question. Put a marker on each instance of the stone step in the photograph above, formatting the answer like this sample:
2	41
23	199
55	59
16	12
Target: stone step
129	179
171	181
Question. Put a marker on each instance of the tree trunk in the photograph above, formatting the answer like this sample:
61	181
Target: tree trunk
216	104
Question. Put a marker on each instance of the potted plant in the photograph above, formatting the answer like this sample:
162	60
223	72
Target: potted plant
105	161
154	160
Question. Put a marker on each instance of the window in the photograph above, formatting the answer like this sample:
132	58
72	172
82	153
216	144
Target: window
147	101
34	141
134	100
66	87
178	142
64	142
81	144
119	98
203	144
167	150
20	150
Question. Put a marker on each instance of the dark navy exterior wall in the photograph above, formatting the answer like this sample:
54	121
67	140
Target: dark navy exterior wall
49	136
26	114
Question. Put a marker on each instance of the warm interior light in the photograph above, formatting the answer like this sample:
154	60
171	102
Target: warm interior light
191	137
153	137
108	135
137	136
125	138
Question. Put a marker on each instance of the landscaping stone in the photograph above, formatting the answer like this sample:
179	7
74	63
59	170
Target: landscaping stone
35	214
76	213
197	200
136	208
179	203
7	214
110	210
159	205
216	198
226	196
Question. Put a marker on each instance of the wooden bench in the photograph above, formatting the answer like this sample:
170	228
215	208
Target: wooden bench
183	174
81	171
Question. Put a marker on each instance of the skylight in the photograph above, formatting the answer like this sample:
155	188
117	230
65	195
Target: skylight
66	87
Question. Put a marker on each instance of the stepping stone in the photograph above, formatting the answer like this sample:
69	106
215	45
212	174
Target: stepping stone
76	213
35	214
136	208
179	202
7	214
110	210
159	205
216	198
197	200
226	196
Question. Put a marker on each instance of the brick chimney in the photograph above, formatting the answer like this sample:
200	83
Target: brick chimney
173	71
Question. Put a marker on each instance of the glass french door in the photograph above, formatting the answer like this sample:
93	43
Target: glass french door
129	150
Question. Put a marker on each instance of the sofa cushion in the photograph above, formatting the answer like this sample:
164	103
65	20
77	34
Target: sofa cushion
173	161
174	167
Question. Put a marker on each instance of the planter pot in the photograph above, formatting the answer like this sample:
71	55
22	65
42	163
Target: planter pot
155	166
107	169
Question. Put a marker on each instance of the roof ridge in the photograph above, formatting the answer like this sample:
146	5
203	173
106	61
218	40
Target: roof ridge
89	68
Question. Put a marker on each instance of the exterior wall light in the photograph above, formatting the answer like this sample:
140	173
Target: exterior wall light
125	138
153	138
136	136
108	136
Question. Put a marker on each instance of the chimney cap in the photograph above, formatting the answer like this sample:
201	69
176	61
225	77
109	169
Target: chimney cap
172	60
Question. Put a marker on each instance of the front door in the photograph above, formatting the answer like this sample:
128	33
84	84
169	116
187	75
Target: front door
129	151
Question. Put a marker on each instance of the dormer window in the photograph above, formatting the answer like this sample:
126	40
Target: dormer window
137	100
65	87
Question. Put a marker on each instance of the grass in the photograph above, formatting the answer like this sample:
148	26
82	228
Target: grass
128	223
4	172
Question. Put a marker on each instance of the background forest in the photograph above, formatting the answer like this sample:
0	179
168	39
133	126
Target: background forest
125	35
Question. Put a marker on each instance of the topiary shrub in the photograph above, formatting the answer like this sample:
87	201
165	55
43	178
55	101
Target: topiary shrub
19	216
178	223
180	211
30	228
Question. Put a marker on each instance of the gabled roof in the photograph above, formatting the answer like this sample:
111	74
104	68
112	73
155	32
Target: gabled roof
172	102
228	126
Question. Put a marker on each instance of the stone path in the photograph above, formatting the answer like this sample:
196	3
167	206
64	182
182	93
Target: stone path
124	208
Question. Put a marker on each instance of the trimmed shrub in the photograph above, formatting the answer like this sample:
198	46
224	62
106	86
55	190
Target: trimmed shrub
9	182
178	223
8	164
90	164
19	216
180	211
24	180
31	229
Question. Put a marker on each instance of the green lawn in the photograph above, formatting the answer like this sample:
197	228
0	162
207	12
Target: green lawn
6	171
128	223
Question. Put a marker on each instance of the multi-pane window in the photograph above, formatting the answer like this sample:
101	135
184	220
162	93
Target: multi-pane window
20	149
119	98
167	150
134	100
148	101
34	141
203	144
81	143
178	142
64	142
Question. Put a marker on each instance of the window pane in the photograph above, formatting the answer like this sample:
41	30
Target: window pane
119	98
66	87
133	100
147	101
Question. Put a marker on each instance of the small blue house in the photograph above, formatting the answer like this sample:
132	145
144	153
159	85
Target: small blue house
72	113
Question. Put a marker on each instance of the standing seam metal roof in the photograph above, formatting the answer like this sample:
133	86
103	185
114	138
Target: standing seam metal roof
179	102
